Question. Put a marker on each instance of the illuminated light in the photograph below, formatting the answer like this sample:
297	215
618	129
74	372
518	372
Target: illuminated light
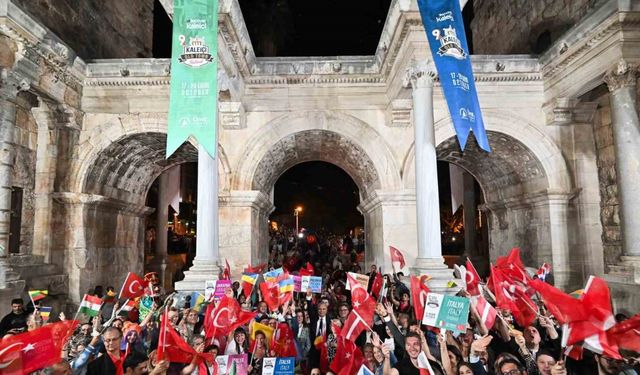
453	238
300	235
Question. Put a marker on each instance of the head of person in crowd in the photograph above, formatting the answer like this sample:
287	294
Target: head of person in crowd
261	340
323	307
455	356
315	371
111	339
403	320
511	367
413	345
235	286
343	311
464	369
501	358
136	364
262	307
34	321
17	306
192	317
130	332
173	315
300	318
198	343
608	365
85	329
532	337
373	268
117	323
367	353
242	299
544	362
212	349
240	337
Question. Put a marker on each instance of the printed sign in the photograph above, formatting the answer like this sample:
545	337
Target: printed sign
232	364
209	290
360	278
221	286
278	366
303	283
446	312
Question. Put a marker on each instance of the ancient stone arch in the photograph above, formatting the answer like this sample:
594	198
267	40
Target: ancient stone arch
330	136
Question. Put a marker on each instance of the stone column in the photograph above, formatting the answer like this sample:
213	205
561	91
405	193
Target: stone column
162	213
206	263
421	77
565	276
469	205
622	81
8	94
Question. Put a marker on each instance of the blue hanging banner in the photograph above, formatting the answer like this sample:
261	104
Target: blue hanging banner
442	21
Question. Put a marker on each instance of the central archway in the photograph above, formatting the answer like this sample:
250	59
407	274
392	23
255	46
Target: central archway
332	137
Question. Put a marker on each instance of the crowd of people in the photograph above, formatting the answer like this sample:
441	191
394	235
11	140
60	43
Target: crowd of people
157	335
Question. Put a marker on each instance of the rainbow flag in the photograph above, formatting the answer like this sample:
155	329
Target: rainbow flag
577	294
37	295
197	300
272	275
286	285
45	312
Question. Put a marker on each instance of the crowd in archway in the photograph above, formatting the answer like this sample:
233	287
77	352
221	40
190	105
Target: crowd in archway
302	319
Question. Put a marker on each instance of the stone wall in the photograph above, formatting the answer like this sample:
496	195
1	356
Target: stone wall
98	29
517	26
609	205
24	171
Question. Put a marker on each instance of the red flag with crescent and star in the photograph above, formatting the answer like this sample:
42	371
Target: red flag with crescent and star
225	317
283	341
348	358
173	348
34	350
472	279
396	256
419	293
361	317
133	286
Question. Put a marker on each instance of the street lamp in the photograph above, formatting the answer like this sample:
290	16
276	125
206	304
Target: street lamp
296	212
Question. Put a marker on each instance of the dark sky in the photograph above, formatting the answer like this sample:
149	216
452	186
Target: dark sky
327	194
305	27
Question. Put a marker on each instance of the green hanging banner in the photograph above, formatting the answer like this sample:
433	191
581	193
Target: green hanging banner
194	75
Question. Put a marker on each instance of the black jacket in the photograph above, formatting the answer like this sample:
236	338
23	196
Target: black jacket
101	366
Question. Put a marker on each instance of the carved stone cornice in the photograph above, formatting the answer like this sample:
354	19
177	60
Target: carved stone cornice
420	74
621	75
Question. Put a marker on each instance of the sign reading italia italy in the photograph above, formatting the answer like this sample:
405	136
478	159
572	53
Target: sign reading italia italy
446	312
194	74
442	21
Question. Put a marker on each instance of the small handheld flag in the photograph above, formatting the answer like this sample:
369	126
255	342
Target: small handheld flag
90	305
37	295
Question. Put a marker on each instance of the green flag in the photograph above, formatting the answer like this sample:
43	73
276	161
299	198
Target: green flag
193	100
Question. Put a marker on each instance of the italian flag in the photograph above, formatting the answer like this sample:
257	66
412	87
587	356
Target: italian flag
90	305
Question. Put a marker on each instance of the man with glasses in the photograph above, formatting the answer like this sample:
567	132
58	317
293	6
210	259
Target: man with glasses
511	367
109	363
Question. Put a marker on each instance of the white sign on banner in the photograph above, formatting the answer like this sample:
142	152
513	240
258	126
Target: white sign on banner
363	280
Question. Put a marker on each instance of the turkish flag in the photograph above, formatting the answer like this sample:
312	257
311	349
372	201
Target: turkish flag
133	286
486	312
257	269
396	256
173	348
561	305
226	274
283	341
361	317
512	298
308	271
272	296
596	301
376	287
472	279
626	334
348	358
225	317
513	267
419	293
34	350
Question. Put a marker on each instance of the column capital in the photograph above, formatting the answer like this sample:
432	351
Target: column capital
419	74
621	75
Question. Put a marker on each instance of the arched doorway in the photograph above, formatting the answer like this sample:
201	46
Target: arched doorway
315	213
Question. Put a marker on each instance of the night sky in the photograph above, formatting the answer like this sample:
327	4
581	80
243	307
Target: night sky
327	194
304	27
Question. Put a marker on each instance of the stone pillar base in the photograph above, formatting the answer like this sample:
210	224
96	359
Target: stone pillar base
195	277
633	265
440	274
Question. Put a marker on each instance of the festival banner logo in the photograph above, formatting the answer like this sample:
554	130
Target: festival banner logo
194	73
442	21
